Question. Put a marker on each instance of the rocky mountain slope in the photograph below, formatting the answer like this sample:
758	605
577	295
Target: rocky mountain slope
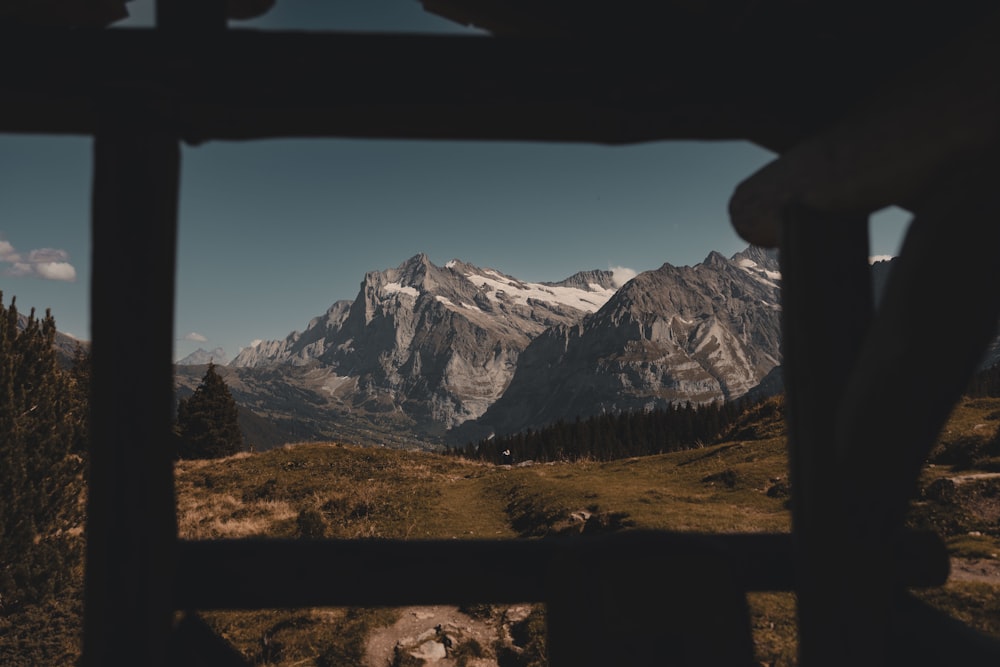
424	347
457	352
702	333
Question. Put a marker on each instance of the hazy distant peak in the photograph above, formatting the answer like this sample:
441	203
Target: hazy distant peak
591	281
201	356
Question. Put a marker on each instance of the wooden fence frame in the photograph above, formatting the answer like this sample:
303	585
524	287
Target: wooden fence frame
140	93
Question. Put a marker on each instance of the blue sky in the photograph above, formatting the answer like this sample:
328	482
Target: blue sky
273	232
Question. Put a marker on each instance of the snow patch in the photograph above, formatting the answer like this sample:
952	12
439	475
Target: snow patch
586	300
762	275
334	382
452	305
399	288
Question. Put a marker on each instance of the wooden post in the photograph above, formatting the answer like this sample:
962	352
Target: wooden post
827	308
937	316
131	522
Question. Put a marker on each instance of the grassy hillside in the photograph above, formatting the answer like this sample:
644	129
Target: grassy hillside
738	484
347	491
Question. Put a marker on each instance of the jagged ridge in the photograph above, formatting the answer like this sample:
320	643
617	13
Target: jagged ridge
703	333
429	346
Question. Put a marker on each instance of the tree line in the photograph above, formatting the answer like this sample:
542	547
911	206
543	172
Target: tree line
44	445
612	435
640	433
44	434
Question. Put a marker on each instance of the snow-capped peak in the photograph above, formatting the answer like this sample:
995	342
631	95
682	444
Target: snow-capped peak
501	287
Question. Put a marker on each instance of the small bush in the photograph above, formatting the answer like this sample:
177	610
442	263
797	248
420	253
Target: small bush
530	636
969	451
467	650
266	491
941	490
780	489
607	522
350	634
401	658
311	524
478	610
727	478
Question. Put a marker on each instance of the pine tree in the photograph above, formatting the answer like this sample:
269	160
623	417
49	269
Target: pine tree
42	448
207	424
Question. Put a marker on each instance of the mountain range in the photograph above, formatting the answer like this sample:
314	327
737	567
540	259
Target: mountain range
705	333
429	353
202	356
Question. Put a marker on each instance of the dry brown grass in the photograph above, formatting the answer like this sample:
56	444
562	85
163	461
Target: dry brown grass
356	492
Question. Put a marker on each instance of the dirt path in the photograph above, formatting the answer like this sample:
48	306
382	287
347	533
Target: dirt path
416	633
979	570
973	477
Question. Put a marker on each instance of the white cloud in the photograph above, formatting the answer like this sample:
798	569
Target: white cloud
56	271
44	263
622	275
18	270
7	252
879	258
196	337
47	255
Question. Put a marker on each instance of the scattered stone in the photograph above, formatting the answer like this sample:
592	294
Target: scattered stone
430	650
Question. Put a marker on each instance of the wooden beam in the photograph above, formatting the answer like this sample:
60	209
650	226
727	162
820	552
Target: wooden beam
614	605
183	18
226	574
843	23
938	314
131	521
826	311
246	85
